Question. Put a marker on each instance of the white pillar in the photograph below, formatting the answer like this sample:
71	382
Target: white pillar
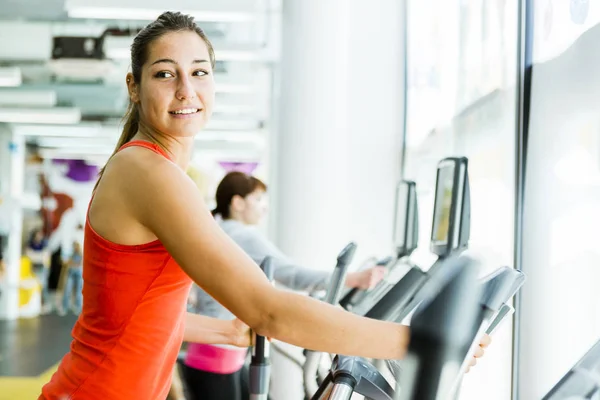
337	157
311	182
340	128
375	121
12	167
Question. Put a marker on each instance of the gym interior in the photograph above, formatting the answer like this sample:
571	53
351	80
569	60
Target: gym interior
450	145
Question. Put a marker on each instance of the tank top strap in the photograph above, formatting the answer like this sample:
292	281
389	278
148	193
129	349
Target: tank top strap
150	146
139	143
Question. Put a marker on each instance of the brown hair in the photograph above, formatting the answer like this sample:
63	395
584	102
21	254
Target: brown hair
167	22
235	184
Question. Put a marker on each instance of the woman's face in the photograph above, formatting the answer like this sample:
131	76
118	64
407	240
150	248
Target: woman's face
177	90
255	207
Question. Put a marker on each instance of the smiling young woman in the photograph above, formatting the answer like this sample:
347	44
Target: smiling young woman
148	235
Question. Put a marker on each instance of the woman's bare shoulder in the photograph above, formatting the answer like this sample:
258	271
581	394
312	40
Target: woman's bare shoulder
130	178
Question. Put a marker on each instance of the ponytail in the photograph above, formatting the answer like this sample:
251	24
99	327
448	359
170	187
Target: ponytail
130	128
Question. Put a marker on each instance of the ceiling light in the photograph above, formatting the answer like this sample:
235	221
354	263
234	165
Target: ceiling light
32	98
10	76
82	130
56	115
233	124
146	14
257	137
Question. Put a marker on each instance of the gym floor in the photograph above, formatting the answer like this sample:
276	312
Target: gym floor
30	350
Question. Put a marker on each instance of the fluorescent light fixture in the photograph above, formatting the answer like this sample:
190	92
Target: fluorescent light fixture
82	130
233	125
91	151
118	47
117	53
254	136
10	76
81	69
31	98
230	151
76	153
78	142
56	115
146	14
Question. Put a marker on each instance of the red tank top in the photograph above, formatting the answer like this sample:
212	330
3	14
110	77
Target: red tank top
130	330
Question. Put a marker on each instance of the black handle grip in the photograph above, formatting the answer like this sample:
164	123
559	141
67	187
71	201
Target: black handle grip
339	274
346	255
260	354
345	301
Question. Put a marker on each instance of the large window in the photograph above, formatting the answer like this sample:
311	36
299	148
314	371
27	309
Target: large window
462	68
561	215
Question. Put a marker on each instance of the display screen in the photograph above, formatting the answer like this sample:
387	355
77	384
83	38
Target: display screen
443	203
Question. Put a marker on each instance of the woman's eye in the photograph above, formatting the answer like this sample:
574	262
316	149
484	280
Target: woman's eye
164	74
200	73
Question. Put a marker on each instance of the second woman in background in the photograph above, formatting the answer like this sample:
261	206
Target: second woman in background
214	371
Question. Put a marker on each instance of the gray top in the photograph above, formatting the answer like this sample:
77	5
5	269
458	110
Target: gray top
258	247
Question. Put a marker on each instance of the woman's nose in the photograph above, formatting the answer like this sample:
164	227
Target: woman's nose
185	90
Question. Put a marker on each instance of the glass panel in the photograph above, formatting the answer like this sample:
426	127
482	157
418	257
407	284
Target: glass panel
561	307
461	65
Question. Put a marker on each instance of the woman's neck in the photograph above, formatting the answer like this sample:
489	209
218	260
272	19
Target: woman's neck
178	148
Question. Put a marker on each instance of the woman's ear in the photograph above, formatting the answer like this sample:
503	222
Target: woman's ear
132	88
238	203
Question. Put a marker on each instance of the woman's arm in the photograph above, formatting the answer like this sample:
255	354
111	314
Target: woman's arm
365	279
207	330
161	197
296	277
258	247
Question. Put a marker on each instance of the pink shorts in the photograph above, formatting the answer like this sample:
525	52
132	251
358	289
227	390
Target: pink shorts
215	359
